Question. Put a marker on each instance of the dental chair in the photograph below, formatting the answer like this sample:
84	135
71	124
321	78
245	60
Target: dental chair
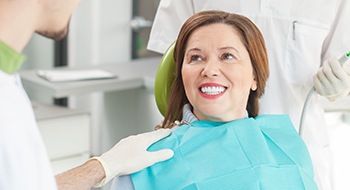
164	78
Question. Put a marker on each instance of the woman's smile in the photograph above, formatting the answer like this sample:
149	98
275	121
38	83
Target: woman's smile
212	90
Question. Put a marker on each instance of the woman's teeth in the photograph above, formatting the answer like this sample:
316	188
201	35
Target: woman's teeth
212	90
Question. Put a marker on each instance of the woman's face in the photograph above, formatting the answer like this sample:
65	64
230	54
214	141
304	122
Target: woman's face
217	73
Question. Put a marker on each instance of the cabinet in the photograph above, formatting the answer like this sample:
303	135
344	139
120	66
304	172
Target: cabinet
66	135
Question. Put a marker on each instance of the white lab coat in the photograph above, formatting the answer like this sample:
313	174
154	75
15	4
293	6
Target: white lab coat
24	163
300	35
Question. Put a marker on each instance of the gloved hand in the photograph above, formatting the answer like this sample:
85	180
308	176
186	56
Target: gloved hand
333	80
130	155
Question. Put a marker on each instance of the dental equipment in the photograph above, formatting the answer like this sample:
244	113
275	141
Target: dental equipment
312	91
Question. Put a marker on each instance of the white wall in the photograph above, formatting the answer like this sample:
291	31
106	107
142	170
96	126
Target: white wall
39	53
99	33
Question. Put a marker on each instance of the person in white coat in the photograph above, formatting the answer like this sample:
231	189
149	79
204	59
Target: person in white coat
304	38
24	163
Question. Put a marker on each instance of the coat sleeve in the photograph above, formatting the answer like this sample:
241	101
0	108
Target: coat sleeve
170	16
338	40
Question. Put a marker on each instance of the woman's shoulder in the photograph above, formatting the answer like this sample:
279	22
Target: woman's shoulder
275	122
171	141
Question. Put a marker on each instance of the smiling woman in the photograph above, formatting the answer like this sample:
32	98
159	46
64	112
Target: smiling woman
217	73
236	43
222	141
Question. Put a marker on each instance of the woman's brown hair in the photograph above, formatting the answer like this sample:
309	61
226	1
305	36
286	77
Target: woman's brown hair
251	38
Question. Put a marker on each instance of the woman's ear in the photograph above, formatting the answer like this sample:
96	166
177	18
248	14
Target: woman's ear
254	85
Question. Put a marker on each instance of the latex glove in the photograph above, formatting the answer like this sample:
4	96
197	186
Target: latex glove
130	155
333	80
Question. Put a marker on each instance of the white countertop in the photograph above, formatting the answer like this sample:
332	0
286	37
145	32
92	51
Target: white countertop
130	75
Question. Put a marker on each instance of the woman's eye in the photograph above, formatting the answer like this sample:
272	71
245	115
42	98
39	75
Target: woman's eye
227	56
196	58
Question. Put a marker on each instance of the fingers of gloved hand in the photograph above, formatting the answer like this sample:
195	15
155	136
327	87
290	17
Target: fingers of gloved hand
346	68
154	136
335	71
130	154
145	160
160	155
332	79
343	88
337	96
321	83
342	82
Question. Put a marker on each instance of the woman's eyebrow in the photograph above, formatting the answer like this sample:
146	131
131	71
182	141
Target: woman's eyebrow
229	48
193	49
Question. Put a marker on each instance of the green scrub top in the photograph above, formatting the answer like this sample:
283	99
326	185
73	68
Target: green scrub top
10	60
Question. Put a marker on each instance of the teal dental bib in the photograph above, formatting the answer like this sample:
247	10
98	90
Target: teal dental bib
250	154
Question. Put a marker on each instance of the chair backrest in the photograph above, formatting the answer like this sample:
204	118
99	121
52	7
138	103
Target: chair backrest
164	79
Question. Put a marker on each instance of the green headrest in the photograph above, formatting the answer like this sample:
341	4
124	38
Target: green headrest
164	78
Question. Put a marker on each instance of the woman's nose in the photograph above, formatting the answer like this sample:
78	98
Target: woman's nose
211	69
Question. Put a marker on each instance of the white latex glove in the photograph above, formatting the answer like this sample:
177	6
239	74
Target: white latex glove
333	80
130	155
